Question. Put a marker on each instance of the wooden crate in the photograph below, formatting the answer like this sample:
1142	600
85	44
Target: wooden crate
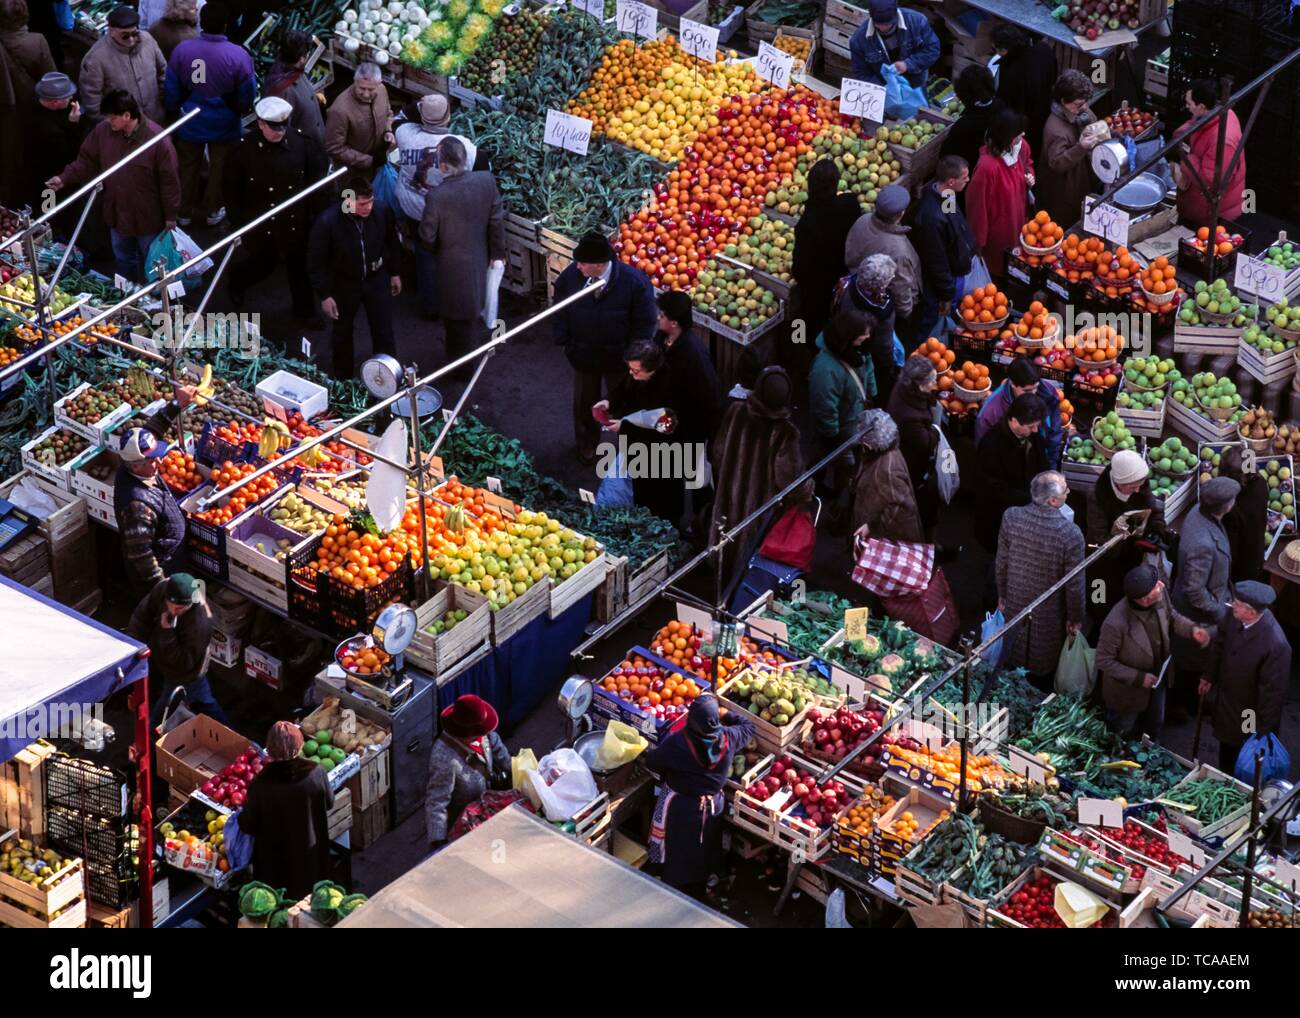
370	824
1266	368
1188	821
555	243
339	818
567	593
522	271
532	604
523	233
1140	420
26	560
771	738
101	917
839	23
440	653
760	31
300	917
648	575
1211	339
372	782
66	523
64	891
1197	427
919	164
611	594
22	790
421	82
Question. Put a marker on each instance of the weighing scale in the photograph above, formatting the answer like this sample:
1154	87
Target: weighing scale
15	524
382	376
1145	197
392	632
574	701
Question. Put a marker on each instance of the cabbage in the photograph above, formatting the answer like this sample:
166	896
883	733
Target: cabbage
258	900
350	904
326	897
279	920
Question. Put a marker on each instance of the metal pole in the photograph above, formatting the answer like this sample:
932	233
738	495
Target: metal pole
961	723
460	403
22	363
411	391
1252	841
29	251
325	436
719	546
72	241
101	177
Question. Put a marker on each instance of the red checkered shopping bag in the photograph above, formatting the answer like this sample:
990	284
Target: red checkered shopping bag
892	568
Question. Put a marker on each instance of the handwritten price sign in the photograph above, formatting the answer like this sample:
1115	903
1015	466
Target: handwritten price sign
773	65
1107	222
862	99
564	130
596	8
638	19
1260	278
698	40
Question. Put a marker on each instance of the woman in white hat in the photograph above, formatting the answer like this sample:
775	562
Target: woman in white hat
1124	486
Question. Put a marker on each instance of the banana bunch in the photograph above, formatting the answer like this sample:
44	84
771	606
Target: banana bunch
204	389
454	520
313	457
275	436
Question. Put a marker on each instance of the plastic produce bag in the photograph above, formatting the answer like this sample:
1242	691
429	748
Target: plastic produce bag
385	187
615	491
622	745
520	764
945	466
174	248
1277	761
238	845
993	621
901	99
563	783
496	271
900	354
1076	670
976	276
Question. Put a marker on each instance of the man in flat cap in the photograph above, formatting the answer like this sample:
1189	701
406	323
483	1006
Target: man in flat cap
58	129
1133	650
1201	583
268	166
124	59
883	232
1249	672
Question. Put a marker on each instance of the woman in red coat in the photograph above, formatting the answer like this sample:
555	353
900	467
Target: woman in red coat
997	200
1198	152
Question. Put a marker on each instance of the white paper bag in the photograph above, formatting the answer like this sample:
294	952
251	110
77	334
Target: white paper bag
496	271
188	249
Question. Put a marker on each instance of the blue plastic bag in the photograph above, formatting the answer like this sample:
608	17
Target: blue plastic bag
63	16
385	185
238	845
901	99
615	491
993	621
1277	761
900	354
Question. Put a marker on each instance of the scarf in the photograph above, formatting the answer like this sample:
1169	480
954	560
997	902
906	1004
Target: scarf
704	731
1013	156
1118	494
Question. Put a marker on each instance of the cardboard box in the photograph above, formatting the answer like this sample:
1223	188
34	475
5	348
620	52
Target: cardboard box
225	648
196	750
264	668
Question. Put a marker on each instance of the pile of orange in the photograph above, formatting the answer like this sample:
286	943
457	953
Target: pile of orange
676	642
1036	323
984	304
477	501
1222	240
958	407
972	376
179	471
1118	269
1158	277
359	560
720	184
940	356
8	355
981	771
1067	409
677	690
1041	232
1097	345
363	657
1082	252
239	432
30	334
242	497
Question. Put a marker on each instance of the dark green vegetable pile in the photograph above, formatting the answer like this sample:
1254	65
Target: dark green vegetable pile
795	13
953	844
1000	862
1213	799
1033	801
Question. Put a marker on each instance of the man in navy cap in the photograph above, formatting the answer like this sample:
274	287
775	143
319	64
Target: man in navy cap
174	621
882	232
903	38
1249	672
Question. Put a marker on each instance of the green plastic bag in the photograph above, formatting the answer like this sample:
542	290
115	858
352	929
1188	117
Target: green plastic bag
1076	671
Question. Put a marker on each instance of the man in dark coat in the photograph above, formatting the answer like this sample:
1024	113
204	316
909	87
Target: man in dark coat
977	91
1010	456
596	330
1247	522
463	228
350	257
1026	75
691	368
1202	576
58	129
658	483
1023	379
943	242
889	35
911	405
267	167
1249	672
174	621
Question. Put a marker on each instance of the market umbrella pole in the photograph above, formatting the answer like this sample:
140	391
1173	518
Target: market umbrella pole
412	392
72	241
29	251
460	403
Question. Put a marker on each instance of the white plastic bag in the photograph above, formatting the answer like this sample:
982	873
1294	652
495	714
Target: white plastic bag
188	249
976	276
563	783
945	466
496	271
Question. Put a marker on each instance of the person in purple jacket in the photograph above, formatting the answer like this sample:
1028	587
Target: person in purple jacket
216	77
1022	377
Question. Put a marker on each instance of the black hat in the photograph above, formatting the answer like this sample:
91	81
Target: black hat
1022	372
1258	595
1140	581
593	249
124	17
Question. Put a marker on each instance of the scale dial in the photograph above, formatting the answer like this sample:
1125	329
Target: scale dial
381	375
575	696
395	628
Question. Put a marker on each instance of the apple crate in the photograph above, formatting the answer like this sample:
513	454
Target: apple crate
202	861
919	163
530	605
250	570
1142	421
566	593
96	433
1266	368
1188	821
755	333
1196	426
1216	340
750	775
771	738
63	892
439	653
793	833
1173	504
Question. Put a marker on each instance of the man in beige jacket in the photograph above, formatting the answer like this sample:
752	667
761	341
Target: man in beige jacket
358	127
883	232
128	60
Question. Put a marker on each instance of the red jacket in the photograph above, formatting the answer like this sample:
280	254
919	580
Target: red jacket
1193	208
997	204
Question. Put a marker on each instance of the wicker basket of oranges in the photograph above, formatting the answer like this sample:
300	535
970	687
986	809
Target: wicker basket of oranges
984	309
1096	348
971	382
940	356
1040	236
1118	271
1080	254
1036	328
1158	281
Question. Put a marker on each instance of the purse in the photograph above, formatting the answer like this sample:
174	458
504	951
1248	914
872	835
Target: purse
792	539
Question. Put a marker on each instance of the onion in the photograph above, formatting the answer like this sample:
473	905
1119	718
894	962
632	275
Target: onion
351	44
381	56
395	49
349	16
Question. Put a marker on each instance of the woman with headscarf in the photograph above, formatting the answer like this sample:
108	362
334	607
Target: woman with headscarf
468	759
868	291
1068	139
911	405
841	386
819	236
755	454
997	200
881	497
693	762
285	814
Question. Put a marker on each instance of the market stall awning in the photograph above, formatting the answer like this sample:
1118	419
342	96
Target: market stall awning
517	870
54	657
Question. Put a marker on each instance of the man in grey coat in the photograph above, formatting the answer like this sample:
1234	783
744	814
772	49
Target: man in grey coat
1037	546
883	232
1201	583
468	758
1249	672
124	59
464	229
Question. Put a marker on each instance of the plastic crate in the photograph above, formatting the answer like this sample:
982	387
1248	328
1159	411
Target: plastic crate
111	879
212	450
306	586
350	610
86	787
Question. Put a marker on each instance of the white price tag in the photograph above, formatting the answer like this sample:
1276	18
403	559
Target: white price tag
1266	281
1101	813
1107	222
306	347
1026	765
273	409
698	40
176	290
702	621
448	415
587	496
862	99
636	18
564	130
596	8
1181	844
769	629
145	342
120	282
774	65
494	485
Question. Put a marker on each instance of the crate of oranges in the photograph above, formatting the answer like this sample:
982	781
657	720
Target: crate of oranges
1158	281
1079	256
646	692
180	472
905	825
984	309
358	573
971	382
940	356
1037	327
1040	236
1225	244
855	829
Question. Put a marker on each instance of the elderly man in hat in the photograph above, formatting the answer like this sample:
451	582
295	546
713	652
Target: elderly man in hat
890	35
596	330
1201	580
125	60
268	167
883	232
468	759
58	129
173	620
419	173
1133	652
1023	379
1249	672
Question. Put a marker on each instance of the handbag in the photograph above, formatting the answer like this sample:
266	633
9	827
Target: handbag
931	612
892	568
792	539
